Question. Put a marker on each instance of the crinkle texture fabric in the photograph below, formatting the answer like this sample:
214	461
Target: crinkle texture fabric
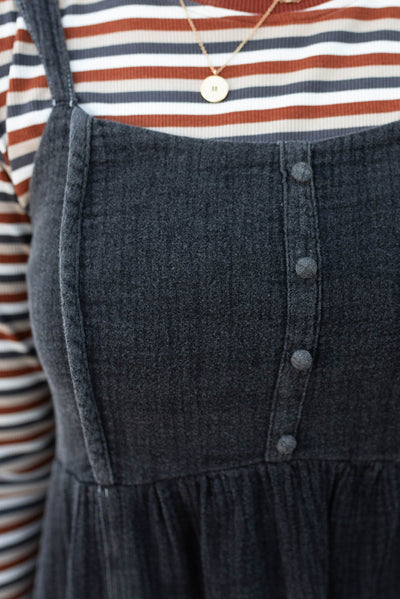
225	426
298	529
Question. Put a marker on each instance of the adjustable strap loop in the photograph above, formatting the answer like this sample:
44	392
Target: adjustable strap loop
43	21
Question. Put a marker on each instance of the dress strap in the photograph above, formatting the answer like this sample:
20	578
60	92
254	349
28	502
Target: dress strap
43	21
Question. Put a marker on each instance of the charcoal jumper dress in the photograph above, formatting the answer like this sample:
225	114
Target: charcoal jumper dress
219	323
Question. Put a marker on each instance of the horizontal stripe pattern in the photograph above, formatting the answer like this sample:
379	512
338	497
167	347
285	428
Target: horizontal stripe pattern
313	70
26	411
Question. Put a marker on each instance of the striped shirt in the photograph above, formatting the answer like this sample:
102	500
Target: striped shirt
313	70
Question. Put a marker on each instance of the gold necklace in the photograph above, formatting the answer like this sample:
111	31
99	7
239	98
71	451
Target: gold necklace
215	88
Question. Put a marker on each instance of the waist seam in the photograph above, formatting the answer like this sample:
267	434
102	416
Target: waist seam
238	467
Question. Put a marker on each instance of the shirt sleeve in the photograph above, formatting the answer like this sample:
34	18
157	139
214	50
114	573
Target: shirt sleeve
26	409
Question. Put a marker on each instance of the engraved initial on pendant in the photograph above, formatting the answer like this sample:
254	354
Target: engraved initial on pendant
214	88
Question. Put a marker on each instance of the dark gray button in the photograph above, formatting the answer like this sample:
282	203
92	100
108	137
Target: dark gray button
301	359
301	171
306	267
286	444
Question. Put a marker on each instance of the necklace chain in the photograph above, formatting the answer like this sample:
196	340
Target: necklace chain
240	46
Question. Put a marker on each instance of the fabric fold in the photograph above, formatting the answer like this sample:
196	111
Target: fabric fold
249	532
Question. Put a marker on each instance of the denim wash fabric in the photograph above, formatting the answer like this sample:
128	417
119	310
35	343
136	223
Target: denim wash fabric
219	322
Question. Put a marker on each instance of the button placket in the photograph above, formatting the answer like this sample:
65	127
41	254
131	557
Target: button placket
303	299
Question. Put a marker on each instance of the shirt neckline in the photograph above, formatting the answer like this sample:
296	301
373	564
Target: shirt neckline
283	13
260	6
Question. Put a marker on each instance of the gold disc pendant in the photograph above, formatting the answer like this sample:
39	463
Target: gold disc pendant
214	88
